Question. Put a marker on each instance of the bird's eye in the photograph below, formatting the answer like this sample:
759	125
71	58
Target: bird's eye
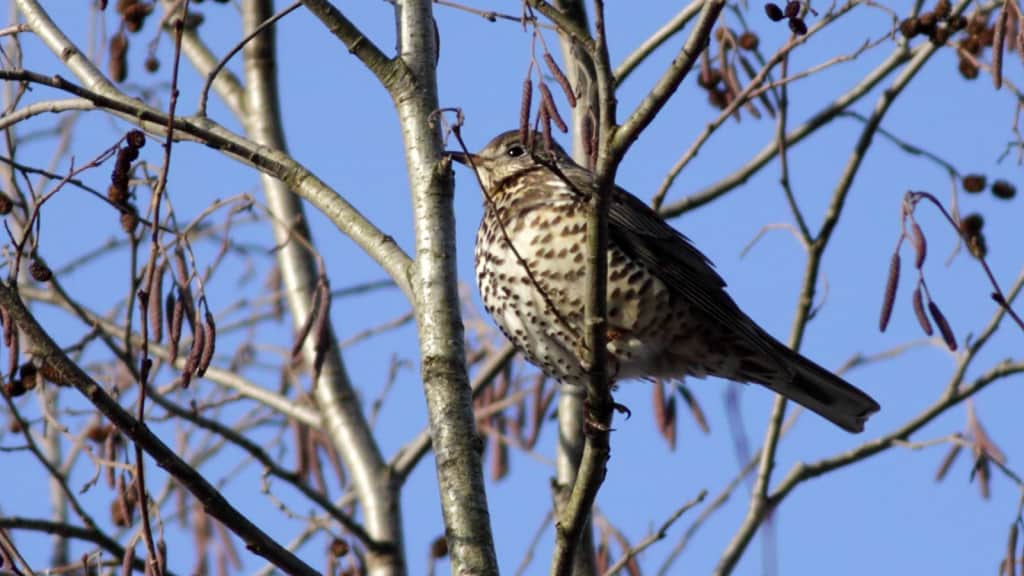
515	150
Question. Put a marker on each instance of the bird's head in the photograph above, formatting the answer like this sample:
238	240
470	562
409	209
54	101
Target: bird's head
507	155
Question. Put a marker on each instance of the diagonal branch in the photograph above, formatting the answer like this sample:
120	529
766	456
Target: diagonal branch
214	504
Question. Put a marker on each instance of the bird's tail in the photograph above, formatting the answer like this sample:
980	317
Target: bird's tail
823	392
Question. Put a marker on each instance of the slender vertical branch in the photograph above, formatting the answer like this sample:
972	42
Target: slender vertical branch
442	353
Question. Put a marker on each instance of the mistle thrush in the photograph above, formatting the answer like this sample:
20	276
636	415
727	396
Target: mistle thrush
668	313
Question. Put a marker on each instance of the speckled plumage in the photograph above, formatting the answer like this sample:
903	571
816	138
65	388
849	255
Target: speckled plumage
668	313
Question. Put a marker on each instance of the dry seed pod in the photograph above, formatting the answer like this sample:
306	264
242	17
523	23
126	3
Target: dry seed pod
155	305
339	547
971	45
439	547
195	352
125	5
976	246
525	102
922	318
941	9
968	69
943	324
891	283
773	12
973	183
13	353
5	205
947	461
136	139
321	327
563	82
118	65
39	271
798	26
748	41
792	9
927	22
920	245
1011	550
1003	190
174	310
709	78
118	193
209	344
910	27
695	410
15	388
940	35
129	219
97	432
998	42
545	124
29	375
300	338
972	224
668	431
547	101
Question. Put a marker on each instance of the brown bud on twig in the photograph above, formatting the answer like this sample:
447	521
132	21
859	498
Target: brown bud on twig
556	72
548	102
792	9
943	324
5	205
525	103
891	283
773	12
922	318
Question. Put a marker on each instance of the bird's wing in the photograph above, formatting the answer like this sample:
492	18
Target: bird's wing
638	230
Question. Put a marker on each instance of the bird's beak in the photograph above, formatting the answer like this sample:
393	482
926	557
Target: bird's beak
461	157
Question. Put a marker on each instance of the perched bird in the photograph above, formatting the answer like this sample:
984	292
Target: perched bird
668	313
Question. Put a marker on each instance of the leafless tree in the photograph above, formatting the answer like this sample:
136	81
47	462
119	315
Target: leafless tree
152	387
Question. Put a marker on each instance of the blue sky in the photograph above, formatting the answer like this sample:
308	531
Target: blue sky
884	515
